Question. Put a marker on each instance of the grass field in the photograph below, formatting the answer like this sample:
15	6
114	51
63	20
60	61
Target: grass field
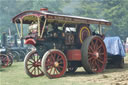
15	75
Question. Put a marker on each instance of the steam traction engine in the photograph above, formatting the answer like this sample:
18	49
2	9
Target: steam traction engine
6	58
63	43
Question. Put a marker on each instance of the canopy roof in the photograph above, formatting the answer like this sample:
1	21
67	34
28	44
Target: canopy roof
60	17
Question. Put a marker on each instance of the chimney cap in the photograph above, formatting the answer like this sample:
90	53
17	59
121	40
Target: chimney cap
44	9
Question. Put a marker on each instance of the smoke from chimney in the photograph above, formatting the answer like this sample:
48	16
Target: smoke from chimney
70	8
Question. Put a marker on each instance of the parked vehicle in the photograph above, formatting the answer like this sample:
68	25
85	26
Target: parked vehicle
14	46
115	51
6	59
62	42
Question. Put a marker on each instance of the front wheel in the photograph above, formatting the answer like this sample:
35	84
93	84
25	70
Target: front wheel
94	55
32	64
54	63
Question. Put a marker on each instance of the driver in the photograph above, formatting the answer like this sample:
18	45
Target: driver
54	31
33	27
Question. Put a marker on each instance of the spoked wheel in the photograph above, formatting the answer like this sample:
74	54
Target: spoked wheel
4	60
10	59
94	56
32	64
54	63
71	69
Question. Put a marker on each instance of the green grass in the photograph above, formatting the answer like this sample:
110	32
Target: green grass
15	75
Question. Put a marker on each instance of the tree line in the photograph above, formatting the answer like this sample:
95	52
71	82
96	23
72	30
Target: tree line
112	10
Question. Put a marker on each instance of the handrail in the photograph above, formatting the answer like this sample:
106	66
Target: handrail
21	25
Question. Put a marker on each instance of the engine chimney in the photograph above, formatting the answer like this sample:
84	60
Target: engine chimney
4	39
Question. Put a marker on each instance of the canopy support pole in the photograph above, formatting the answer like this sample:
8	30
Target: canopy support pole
38	26
100	29
17	30
43	29
21	21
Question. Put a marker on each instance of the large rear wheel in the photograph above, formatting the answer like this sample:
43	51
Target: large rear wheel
32	64
94	55
54	63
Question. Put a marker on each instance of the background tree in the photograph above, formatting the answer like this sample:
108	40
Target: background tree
112	10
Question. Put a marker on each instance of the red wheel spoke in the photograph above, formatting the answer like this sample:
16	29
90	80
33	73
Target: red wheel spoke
53	58
99	47
58	69
60	66
39	69
60	59
49	64
54	70
54	55
100	58
90	58
4	59
100	61
101	53
51	70
33	70
92	62
91	48
96	44
93	45
61	63
49	59
33	58
38	58
30	67
57	72
29	64
98	67
30	61
90	53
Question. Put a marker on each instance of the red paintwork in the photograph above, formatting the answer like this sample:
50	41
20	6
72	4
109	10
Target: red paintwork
30	41
74	55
